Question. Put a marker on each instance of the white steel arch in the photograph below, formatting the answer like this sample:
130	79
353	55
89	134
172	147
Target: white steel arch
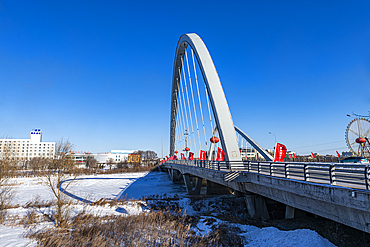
216	95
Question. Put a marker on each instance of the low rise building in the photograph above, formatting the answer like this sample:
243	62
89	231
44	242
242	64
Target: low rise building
116	156
134	158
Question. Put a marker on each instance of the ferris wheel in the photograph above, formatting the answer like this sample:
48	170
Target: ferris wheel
358	136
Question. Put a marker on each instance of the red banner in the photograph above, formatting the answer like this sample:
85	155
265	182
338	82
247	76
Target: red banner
313	156
182	156
280	152
191	156
220	154
175	157
295	156
290	156
338	154
202	155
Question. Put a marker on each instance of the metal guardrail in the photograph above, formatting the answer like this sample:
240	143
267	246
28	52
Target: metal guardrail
345	175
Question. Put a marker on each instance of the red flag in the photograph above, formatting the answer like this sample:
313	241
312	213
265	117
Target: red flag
255	156
313	156
295	156
191	156
175	157
338	154
290	156
220	154
202	155
280	152
182	156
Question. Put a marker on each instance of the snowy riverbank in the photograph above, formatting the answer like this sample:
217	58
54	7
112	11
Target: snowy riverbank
134	186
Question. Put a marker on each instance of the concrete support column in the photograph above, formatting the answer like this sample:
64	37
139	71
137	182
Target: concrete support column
192	190
176	175
261	208
289	212
249	200
170	173
256	206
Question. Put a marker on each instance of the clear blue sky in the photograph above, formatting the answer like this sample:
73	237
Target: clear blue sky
99	72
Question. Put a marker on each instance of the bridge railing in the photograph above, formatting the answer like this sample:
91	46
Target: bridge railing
346	175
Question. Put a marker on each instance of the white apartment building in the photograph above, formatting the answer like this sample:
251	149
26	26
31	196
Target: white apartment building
28	148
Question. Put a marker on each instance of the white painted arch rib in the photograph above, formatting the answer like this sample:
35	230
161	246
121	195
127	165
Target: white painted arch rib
216	95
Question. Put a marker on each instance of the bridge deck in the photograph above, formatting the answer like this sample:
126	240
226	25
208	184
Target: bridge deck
318	188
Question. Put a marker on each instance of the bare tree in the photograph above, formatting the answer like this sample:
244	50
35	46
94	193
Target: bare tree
61	171
8	162
151	155
122	164
148	157
110	163
91	162
38	163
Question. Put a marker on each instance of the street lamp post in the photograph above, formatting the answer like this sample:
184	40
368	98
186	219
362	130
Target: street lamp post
274	135
186	142
275	143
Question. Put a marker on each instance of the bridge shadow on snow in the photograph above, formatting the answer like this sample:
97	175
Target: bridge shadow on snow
154	183
119	209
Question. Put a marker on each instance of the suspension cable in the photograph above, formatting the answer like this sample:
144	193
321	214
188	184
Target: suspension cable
200	104
178	120
184	102
187	100
192	97
209	110
181	120
181	107
185	119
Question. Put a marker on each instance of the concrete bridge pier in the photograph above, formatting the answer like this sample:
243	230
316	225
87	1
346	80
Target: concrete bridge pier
256	206
289	212
175	175
192	187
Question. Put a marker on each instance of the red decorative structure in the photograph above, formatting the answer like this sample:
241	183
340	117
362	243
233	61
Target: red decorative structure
187	149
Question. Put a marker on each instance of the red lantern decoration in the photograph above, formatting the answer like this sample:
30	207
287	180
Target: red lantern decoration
214	139
187	149
176	152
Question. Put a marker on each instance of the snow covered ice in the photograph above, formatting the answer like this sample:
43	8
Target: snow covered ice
138	185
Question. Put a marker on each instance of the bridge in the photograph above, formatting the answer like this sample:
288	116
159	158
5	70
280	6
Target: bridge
211	155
